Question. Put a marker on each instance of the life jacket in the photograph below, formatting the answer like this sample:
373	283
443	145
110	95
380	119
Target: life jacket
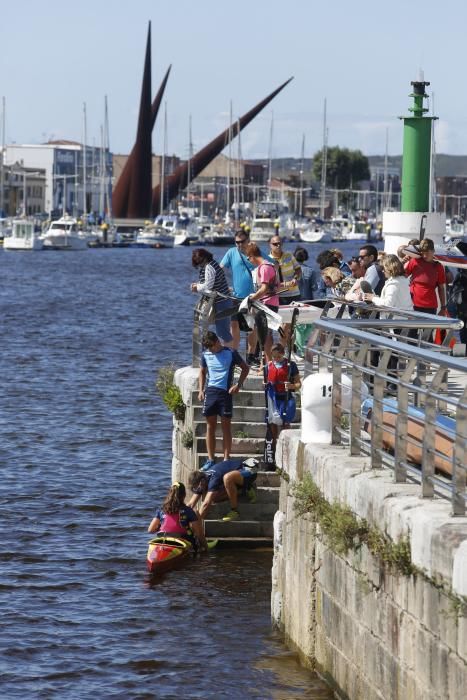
277	376
171	523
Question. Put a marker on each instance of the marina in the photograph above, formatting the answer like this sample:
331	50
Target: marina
276	510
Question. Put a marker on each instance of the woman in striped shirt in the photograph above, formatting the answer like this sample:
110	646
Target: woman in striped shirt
212	278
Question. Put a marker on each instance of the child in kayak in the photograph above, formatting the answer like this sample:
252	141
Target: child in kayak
176	518
281	377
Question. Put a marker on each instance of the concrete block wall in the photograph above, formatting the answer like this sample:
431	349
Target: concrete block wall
371	633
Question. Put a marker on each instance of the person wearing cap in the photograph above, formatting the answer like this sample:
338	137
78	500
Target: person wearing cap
174	517
222	482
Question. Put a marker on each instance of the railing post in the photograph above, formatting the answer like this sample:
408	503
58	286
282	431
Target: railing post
429	438
400	439
356	401
459	460
377	414
337	391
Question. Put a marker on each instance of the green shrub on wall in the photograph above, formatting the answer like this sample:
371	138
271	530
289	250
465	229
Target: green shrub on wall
169	392
345	532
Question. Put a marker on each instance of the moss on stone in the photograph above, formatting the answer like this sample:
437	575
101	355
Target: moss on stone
169	392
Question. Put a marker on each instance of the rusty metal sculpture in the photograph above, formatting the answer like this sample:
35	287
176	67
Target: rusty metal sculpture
185	173
122	188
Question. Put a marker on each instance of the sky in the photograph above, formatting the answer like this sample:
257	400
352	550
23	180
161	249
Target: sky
359	56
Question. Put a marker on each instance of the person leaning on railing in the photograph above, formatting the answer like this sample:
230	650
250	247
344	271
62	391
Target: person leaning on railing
427	276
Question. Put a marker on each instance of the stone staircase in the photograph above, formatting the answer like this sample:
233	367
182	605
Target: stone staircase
255	526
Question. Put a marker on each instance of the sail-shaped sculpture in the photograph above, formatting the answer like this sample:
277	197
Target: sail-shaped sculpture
185	173
122	188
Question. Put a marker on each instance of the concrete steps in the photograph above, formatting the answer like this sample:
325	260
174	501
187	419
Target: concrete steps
239	528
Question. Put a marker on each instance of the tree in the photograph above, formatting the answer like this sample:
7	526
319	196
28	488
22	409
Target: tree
343	167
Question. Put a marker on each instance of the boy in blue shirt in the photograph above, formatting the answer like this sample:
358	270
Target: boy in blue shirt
216	388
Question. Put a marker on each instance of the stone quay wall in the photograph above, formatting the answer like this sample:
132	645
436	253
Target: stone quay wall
372	633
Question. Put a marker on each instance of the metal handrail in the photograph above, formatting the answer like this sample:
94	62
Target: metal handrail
416	377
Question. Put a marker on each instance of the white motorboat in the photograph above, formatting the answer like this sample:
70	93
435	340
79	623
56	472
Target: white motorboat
63	234
153	237
22	236
214	234
263	229
316	235
357	232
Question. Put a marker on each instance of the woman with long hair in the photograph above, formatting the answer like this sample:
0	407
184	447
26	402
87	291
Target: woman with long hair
212	279
176	518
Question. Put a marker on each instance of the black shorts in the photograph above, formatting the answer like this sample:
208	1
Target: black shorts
217	402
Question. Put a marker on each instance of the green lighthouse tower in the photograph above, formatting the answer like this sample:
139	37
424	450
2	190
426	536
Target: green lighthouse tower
417	153
415	220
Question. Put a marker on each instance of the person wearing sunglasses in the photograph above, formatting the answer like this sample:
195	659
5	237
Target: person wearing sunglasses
241	269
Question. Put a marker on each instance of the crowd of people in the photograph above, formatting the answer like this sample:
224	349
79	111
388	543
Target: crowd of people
278	277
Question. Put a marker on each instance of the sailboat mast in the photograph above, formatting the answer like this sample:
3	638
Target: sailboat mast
164	151
2	162
190	156
271	136
107	175
385	181
85	137
302	159
324	158
229	168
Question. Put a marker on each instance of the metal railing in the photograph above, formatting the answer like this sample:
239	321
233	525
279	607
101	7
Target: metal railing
408	398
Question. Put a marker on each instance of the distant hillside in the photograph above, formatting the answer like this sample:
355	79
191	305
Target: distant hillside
446	165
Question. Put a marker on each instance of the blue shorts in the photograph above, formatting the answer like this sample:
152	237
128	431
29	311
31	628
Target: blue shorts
223	324
217	402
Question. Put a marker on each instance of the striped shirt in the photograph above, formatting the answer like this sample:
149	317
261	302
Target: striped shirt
212	278
287	267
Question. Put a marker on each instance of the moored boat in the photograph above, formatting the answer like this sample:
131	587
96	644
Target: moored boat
166	551
63	234
22	236
153	237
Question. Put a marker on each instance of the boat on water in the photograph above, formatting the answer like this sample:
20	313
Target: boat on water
358	231
316	234
22	236
167	551
64	234
153	237
215	234
186	237
262	229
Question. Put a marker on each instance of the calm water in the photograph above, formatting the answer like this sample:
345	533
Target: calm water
85	452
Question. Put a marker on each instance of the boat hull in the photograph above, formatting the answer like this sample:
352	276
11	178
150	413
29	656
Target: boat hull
445	434
166	552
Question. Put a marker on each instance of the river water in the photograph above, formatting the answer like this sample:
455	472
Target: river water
85	453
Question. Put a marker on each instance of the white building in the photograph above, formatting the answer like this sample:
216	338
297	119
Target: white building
70	178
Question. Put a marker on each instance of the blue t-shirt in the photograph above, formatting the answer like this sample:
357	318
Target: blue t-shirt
186	516
220	366
217	472
241	267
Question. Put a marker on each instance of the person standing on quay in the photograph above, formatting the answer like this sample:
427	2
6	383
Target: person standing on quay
237	261
212	279
266	283
427	276
289	272
216	388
